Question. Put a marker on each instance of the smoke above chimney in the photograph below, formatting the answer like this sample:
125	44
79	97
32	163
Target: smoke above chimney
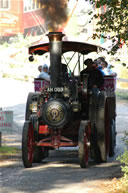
55	14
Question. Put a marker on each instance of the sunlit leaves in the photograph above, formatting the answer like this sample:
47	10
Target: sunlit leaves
112	21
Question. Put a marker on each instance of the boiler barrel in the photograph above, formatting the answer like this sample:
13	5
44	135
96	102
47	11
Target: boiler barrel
55	39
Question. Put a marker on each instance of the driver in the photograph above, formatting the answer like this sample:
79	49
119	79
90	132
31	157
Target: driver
95	77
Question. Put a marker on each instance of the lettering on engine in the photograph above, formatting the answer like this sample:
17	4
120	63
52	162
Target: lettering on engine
56	89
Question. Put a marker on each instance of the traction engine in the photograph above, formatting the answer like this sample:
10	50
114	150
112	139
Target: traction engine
64	113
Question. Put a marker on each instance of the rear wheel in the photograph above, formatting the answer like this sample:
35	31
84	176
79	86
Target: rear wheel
94	149
83	144
27	144
112	138
102	126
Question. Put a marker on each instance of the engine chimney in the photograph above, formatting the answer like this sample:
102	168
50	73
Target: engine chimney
55	39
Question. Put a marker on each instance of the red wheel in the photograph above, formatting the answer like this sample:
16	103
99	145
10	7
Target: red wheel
83	144
27	144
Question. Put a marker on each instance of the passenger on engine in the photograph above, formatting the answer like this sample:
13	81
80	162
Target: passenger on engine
95	77
40	68
44	73
103	66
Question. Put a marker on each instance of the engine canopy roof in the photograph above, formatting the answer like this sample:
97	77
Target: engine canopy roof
83	48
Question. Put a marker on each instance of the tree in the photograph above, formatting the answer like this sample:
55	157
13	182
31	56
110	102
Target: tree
113	21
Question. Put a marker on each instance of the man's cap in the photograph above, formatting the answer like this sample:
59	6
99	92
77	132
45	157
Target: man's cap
88	61
45	66
101	58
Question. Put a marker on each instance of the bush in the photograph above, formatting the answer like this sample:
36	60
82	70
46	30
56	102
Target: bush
124	160
6	150
8	153
121	94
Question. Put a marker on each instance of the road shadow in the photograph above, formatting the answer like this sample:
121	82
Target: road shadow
59	170
62	168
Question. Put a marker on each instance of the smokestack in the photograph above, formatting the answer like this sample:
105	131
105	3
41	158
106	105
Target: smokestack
55	39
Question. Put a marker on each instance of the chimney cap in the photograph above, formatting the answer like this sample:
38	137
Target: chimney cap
55	36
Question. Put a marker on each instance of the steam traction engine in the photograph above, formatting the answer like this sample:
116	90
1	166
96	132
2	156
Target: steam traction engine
64	113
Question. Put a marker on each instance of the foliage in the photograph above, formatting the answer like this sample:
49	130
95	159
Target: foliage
113	21
125	138
124	159
8	152
122	95
116	185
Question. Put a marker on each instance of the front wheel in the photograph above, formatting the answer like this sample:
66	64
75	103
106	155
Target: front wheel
27	144
28	111
83	144
40	153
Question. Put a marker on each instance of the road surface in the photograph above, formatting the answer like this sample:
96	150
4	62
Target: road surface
60	173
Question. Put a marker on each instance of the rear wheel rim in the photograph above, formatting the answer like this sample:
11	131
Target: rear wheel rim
85	150
107	132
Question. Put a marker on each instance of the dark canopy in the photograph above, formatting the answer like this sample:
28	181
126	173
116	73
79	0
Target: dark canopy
83	48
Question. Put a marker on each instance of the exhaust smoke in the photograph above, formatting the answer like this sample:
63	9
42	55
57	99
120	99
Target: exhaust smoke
55	13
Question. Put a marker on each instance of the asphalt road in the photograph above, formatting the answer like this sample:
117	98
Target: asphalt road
60	173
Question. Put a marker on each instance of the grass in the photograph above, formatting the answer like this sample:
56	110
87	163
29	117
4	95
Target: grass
8	152
123	95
